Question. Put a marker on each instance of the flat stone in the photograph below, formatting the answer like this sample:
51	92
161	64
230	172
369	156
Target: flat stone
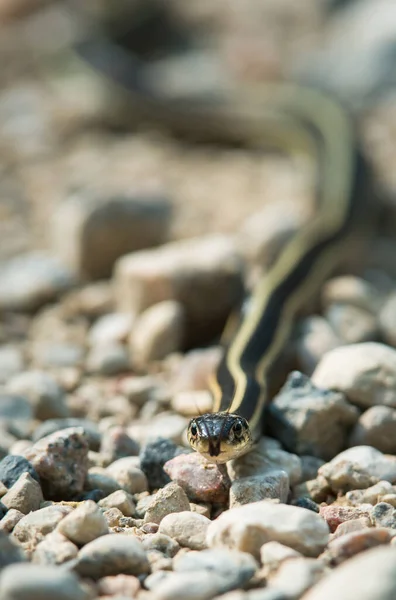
129	477
184	271
61	461
201	480
274	484
84	524
111	555
169	499
12	466
25	495
99	229
309	420
354	579
248	527
376	427
358	468
55	549
28	281
42	391
38	582
365	373
239	567
187	528
121	500
157	332
343	548
10	552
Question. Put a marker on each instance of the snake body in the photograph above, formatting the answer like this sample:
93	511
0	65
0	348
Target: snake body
292	119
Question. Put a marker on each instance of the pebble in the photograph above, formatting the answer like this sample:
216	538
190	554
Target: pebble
118	586
192	403
192	272
294	577
350	290
121	500
365	373
387	321
351	527
11	467
98	479
153	456
157	332
10	552
274	484
50	355
90	232
335	514
266	456
248	527
161	543
352	324
316	337
169	499
193	371
10	519
14	407
108	359
111	555
129	477
42	391
33	528
38	582
84	524
110	328
187	528
342	548
116	443
55	549
358	468
28	281
11	362
384	515
61	461
201	480
25	495
309	420
113	516
355	578
91	430
376	427
138	389
272	554
310	466
195	586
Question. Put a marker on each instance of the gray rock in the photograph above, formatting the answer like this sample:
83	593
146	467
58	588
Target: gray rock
384	515
98	479
29	281
358	468
84	524
309	420
36	582
90	232
129	477
354	579
91	430
274	484
161	543
365	373
316	338
371	495
272	554
15	407
248	527
376	427
52	355
351	290
153	456
11	467
121	500
387	321
187	528
352	324
116	443
33	528
157	332
169	499
43	393
10	552
294	577
25	495
55	549
109	359
61	461
110	328
11	362
110	555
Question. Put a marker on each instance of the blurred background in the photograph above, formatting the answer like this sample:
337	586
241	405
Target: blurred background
76	146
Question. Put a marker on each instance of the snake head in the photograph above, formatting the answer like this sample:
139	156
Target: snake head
219	437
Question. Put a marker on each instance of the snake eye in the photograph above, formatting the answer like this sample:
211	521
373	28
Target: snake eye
193	429
238	429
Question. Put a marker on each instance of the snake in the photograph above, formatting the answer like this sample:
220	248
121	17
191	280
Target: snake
293	119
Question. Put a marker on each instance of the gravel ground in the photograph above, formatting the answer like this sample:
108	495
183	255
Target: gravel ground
115	242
